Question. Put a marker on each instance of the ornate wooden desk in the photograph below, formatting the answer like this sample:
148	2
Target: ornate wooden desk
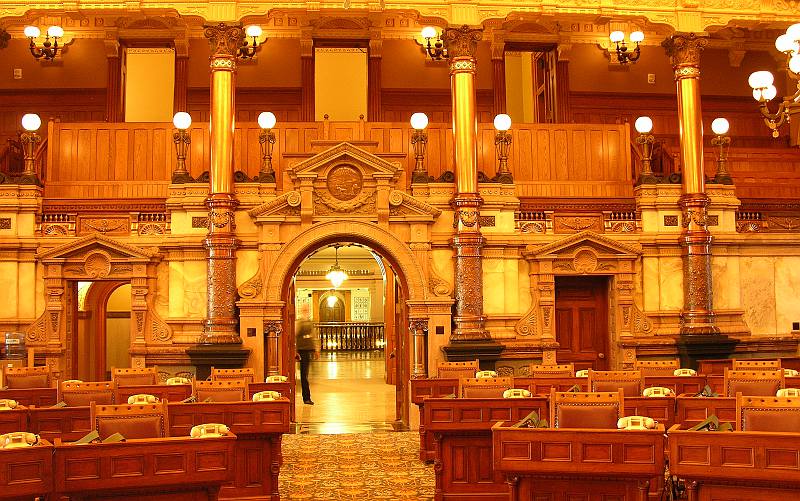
170	393
66	423
662	409
163	469
14	420
691	385
461	429
691	409
40	397
285	389
745	466
27	472
577	463
258	427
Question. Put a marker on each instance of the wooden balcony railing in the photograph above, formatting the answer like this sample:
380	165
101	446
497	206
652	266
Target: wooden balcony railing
356	336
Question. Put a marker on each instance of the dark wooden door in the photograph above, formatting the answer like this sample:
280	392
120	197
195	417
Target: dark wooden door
581	321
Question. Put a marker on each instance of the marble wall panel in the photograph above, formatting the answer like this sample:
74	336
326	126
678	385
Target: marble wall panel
758	293
9	286
175	289
511	285
787	293
194	292
27	290
246	265
670	271
725	282
524	295
161	300
493	286
651	284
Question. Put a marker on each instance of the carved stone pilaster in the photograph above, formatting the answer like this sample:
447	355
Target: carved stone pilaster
697	316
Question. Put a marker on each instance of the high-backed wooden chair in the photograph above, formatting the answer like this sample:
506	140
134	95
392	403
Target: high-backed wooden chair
78	393
629	382
220	391
586	410
758	383
487	387
756	365
457	370
657	367
130	421
27	377
248	374
561	370
777	414
134	377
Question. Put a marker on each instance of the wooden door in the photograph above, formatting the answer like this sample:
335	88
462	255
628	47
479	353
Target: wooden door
287	340
401	348
581	321
390	348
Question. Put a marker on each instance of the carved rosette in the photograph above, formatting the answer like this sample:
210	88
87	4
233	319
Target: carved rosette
698	315
684	51
225	41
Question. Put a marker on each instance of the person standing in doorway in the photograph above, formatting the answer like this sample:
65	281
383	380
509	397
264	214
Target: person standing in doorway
307	348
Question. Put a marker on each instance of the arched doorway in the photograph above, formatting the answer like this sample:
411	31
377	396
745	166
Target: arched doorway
359	377
102	327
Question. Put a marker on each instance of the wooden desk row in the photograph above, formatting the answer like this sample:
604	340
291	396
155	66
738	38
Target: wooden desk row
257	425
178	468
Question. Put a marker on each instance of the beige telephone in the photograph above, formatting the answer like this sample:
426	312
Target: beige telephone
790	373
788	392
516	393
684	372
6	404
208	430
18	439
485	374
142	398
636	423
583	373
178	380
72	381
276	379
658	391
263	396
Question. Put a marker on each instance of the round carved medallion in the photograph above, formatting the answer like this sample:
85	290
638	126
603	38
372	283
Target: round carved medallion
344	182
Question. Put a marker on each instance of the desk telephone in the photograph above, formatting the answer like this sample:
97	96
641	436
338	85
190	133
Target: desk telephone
208	430
6	404
276	379
18	439
142	399
636	423
485	374
516	393
263	396
658	391
684	372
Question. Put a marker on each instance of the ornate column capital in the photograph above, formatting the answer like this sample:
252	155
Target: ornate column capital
462	43
684	51
225	41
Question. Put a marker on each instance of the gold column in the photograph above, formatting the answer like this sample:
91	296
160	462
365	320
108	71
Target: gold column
461	44
221	324
697	316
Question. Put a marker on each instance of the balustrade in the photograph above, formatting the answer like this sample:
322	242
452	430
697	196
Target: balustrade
344	336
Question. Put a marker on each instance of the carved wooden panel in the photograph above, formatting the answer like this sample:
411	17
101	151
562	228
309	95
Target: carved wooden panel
241	417
433	388
40	397
170	393
695	409
467	468
27	472
13	420
67	423
690	385
662	409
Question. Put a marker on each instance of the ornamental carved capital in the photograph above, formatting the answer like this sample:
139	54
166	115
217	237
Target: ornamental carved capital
684	51
225	39
462	42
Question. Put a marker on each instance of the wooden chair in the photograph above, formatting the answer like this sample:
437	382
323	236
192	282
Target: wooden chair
457	370
489	387
76	394
561	370
220	391
134	377
775	414
586	410
248	374
759	383
756	365
629	382
27	377
657	367
130	421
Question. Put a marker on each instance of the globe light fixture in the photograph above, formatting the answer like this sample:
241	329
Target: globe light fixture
29	139
266	141
623	55
47	50
419	140
182	121
502	143
720	127
332	300
644	126
336	275
436	49
248	49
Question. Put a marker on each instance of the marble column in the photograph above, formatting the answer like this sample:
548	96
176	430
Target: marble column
697	316
221	324
461	44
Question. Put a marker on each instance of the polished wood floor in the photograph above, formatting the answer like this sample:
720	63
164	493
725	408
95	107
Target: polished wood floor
350	395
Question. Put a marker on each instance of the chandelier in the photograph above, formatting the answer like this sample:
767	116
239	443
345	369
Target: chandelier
336	275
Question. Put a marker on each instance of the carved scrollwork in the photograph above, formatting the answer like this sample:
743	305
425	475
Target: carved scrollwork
438	285
221	218
36	332
641	324
527	325
97	265
160	331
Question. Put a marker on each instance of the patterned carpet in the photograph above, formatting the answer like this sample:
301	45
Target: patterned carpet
364	467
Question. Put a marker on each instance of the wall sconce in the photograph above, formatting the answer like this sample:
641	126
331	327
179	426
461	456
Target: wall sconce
249	49
29	139
182	121
436	50
48	50
502	142
764	90
644	125
623	56
720	127
419	140
266	139
336	275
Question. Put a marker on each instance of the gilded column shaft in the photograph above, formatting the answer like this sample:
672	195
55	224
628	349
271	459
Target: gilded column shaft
461	44
221	324
697	316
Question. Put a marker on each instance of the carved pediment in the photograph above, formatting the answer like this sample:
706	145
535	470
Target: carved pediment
80	248
324	163
402	204
287	204
600	245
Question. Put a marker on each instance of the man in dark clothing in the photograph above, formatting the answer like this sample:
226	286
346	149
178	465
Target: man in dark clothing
306	350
